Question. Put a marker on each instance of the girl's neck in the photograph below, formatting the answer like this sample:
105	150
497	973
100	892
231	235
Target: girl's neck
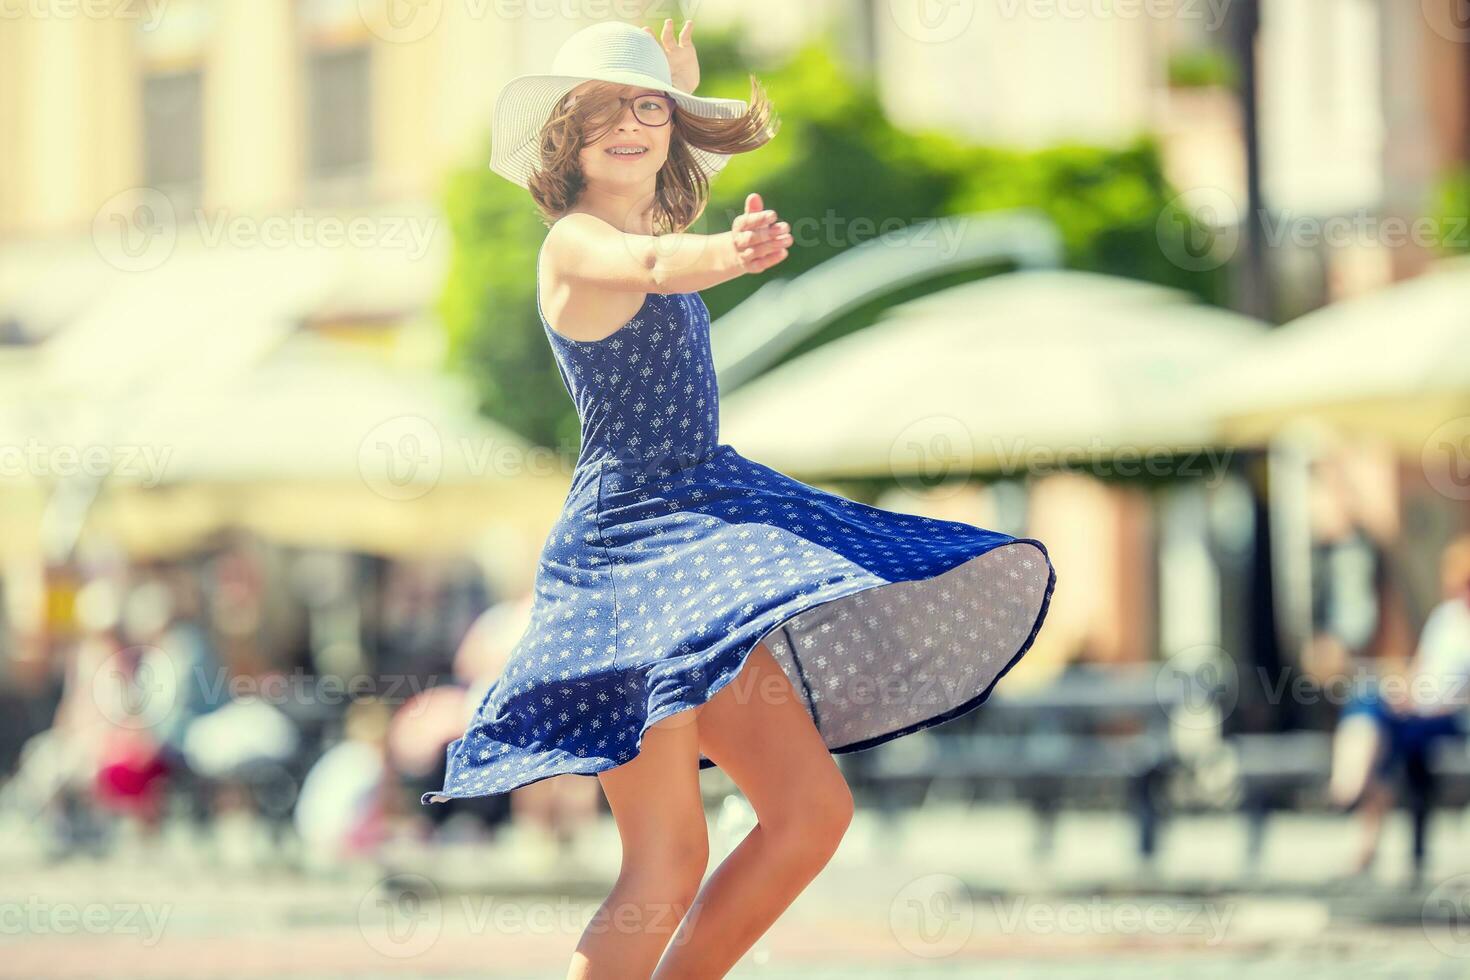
630	210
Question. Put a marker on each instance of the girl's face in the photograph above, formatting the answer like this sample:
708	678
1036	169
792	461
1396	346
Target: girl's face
629	151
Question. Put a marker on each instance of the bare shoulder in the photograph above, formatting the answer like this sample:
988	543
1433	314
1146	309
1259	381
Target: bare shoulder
575	304
570	241
573	235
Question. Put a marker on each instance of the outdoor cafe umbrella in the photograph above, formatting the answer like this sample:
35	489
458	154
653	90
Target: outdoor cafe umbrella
1001	375
198	360
323	447
1394	363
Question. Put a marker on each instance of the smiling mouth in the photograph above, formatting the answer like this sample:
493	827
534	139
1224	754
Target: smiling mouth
626	151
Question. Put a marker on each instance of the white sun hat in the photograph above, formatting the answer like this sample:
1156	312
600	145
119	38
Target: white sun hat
609	51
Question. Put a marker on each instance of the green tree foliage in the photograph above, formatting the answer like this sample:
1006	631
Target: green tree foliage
1452	213
841	173
1204	67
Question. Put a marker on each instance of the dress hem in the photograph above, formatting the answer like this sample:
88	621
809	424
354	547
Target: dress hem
710	691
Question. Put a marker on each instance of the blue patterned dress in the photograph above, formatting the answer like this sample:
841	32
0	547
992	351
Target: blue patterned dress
674	556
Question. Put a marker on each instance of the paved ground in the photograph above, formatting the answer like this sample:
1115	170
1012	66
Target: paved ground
947	894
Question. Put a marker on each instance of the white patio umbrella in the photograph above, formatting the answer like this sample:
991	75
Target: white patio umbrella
1002	375
196	389
1394	363
320	447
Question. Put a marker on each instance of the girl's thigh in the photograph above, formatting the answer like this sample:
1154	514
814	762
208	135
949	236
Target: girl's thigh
654	797
758	730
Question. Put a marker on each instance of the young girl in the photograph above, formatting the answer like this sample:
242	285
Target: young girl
693	607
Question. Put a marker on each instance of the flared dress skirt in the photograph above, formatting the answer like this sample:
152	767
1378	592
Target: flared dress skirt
674	557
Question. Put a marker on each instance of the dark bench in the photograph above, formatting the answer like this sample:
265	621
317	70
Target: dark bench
1291	770
1281	770
1092	733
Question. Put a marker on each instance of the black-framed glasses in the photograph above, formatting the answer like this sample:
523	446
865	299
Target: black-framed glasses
649	109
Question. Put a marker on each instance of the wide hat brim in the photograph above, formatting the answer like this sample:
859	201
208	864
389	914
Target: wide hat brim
527	101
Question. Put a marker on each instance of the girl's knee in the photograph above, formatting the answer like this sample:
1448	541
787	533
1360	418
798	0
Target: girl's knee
674	864
833	815
814	820
654	893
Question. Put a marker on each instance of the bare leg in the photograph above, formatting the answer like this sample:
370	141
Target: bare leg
1377	802
1357	748
758	731
655	800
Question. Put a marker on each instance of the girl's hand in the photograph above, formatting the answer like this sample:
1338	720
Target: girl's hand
683	61
760	240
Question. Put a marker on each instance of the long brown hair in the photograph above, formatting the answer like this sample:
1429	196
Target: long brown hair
681	191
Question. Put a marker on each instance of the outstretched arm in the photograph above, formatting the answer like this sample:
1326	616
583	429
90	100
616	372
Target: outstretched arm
585	248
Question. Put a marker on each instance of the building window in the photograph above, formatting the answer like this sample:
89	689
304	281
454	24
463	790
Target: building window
339	137
173	132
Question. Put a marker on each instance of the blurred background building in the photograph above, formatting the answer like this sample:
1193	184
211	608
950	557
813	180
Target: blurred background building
1183	295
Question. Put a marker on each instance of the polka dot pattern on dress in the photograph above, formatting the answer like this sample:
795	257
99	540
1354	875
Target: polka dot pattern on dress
675	556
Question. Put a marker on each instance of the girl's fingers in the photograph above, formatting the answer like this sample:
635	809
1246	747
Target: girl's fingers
764	244
773	235
766	262
768	233
760	240
761	253
754	220
773	230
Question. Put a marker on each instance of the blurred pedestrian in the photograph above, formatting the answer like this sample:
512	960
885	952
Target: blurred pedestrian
346	801
1390	727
